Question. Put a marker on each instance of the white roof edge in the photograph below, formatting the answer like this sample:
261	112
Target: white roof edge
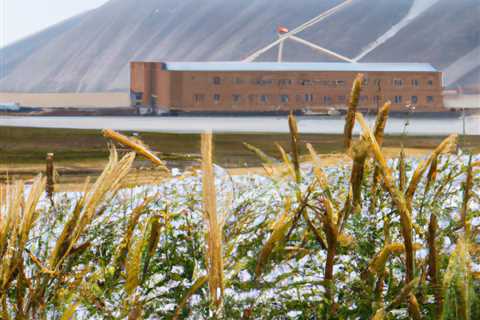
299	66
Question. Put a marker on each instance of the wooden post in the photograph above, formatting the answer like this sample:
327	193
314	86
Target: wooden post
50	174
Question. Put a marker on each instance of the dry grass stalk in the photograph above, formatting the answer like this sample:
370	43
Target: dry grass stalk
214	256
331	227
133	263
397	197
266	159
317	168
153	240
320	175
467	194
446	145
106	185
379	315
433	264
456	282
359	152
195	287
352	109
279	231
292	123
405	293
381	122
136	146
377	264
432	174
127	238
379	130
40	266
402	171
17	217
69	312
414	307
286	161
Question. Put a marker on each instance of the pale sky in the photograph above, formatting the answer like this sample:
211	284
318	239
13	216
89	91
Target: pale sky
21	18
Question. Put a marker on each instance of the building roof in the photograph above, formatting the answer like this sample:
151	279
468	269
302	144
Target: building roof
299	66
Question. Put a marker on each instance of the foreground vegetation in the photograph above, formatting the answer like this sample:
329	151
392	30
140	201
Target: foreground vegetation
369	239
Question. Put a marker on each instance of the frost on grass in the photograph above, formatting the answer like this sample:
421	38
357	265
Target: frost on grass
292	282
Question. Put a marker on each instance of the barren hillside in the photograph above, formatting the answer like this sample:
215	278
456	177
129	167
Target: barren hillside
91	52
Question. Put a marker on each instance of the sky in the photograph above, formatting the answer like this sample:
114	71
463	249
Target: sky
21	18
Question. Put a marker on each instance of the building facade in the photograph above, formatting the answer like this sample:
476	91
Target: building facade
282	87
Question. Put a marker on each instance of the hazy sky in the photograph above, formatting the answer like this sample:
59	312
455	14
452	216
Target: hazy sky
20	18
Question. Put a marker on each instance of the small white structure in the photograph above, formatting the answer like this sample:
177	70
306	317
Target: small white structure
455	100
10	106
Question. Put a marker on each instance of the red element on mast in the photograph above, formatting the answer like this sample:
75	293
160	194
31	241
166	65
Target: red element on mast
282	30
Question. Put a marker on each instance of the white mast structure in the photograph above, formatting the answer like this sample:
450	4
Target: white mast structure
284	34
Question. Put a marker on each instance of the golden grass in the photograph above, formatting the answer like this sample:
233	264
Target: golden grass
214	256
294	137
457	280
352	109
377	264
433	263
107	184
136	146
125	244
133	263
183	302
446	146
279	231
467	194
381	122
397	196
30	277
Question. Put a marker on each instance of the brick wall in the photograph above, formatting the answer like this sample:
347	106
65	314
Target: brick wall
284	91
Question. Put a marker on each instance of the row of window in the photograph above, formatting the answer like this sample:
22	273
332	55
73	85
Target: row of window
398	83
308	97
413	99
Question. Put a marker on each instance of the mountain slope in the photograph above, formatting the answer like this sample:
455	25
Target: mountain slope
91	52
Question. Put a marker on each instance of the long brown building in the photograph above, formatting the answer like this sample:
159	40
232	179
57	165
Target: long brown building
282	87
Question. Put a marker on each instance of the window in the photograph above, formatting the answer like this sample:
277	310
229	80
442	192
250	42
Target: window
262	82
365	82
398	83
284	98
415	83
284	82
199	98
340	83
138	95
364	99
398	99
341	99
414	99
327	100
238	81
264	98
308	97
306	82
430	82
376	99
216	97
236	98
429	99
217	80
378	83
